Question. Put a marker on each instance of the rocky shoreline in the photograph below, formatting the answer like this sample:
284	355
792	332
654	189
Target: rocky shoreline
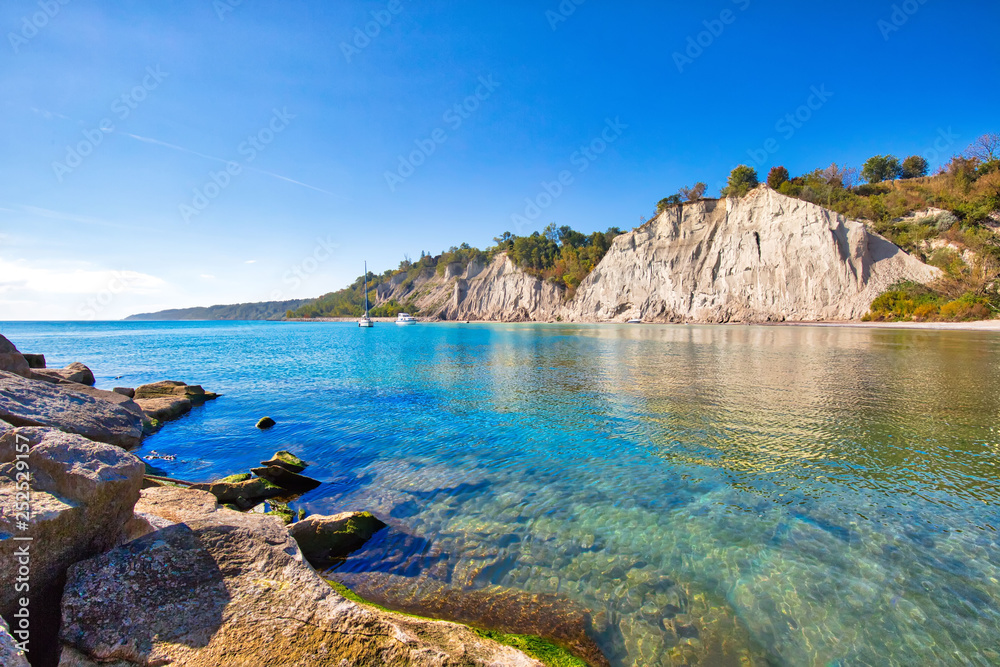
108	563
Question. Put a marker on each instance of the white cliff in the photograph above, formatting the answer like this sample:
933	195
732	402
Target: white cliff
765	257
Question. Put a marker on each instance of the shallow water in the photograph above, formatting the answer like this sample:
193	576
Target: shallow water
765	495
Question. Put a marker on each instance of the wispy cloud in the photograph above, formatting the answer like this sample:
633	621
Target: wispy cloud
207	276
22	276
67	217
175	147
49	115
250	261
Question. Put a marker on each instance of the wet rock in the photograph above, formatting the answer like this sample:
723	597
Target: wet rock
10	655
82	493
75	372
286	460
11	360
290	481
325	539
245	494
552	617
174	389
35	360
230	588
125	391
26	402
265	423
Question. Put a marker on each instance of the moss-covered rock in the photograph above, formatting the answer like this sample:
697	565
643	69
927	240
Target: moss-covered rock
290	481
325	539
265	423
286	460
244	494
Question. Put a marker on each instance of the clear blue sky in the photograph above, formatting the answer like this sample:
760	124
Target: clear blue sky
106	235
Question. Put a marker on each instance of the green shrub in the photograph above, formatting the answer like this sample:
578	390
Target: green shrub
742	180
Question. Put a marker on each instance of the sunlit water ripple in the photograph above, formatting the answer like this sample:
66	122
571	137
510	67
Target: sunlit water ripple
770	495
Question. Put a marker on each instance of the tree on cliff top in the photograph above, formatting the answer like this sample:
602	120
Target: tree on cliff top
880	168
985	148
776	177
694	193
742	180
914	167
666	202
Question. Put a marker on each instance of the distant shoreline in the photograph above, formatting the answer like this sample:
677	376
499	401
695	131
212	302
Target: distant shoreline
980	325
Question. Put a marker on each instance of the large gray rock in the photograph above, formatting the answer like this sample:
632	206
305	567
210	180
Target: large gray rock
34	360
169	399
231	588
10	654
26	402
82	494
11	360
75	372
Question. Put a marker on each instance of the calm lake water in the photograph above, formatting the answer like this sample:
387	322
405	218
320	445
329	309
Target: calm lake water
764	495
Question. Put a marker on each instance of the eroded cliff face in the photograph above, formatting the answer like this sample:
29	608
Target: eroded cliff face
498	292
765	257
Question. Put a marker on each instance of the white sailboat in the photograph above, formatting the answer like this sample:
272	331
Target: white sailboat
365	320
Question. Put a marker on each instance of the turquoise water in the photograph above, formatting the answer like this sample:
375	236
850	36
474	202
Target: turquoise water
715	495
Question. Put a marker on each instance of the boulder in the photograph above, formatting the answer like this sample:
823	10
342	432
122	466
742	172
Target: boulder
244	494
125	391
75	372
289	481
326	539
35	360
82	493
265	423
286	460
26	402
174	388
117	398
165	408
229	588
26	436
11	360
10	654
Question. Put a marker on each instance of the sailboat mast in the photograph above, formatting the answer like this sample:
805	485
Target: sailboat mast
366	289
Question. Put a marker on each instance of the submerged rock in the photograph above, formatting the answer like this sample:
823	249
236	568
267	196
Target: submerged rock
286	460
82	493
26	402
325	539
552	617
265	423
290	481
230	588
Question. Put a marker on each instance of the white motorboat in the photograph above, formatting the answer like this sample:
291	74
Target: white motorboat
634	321
365	321
406	318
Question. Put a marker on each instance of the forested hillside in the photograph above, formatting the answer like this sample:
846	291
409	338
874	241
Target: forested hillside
264	310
